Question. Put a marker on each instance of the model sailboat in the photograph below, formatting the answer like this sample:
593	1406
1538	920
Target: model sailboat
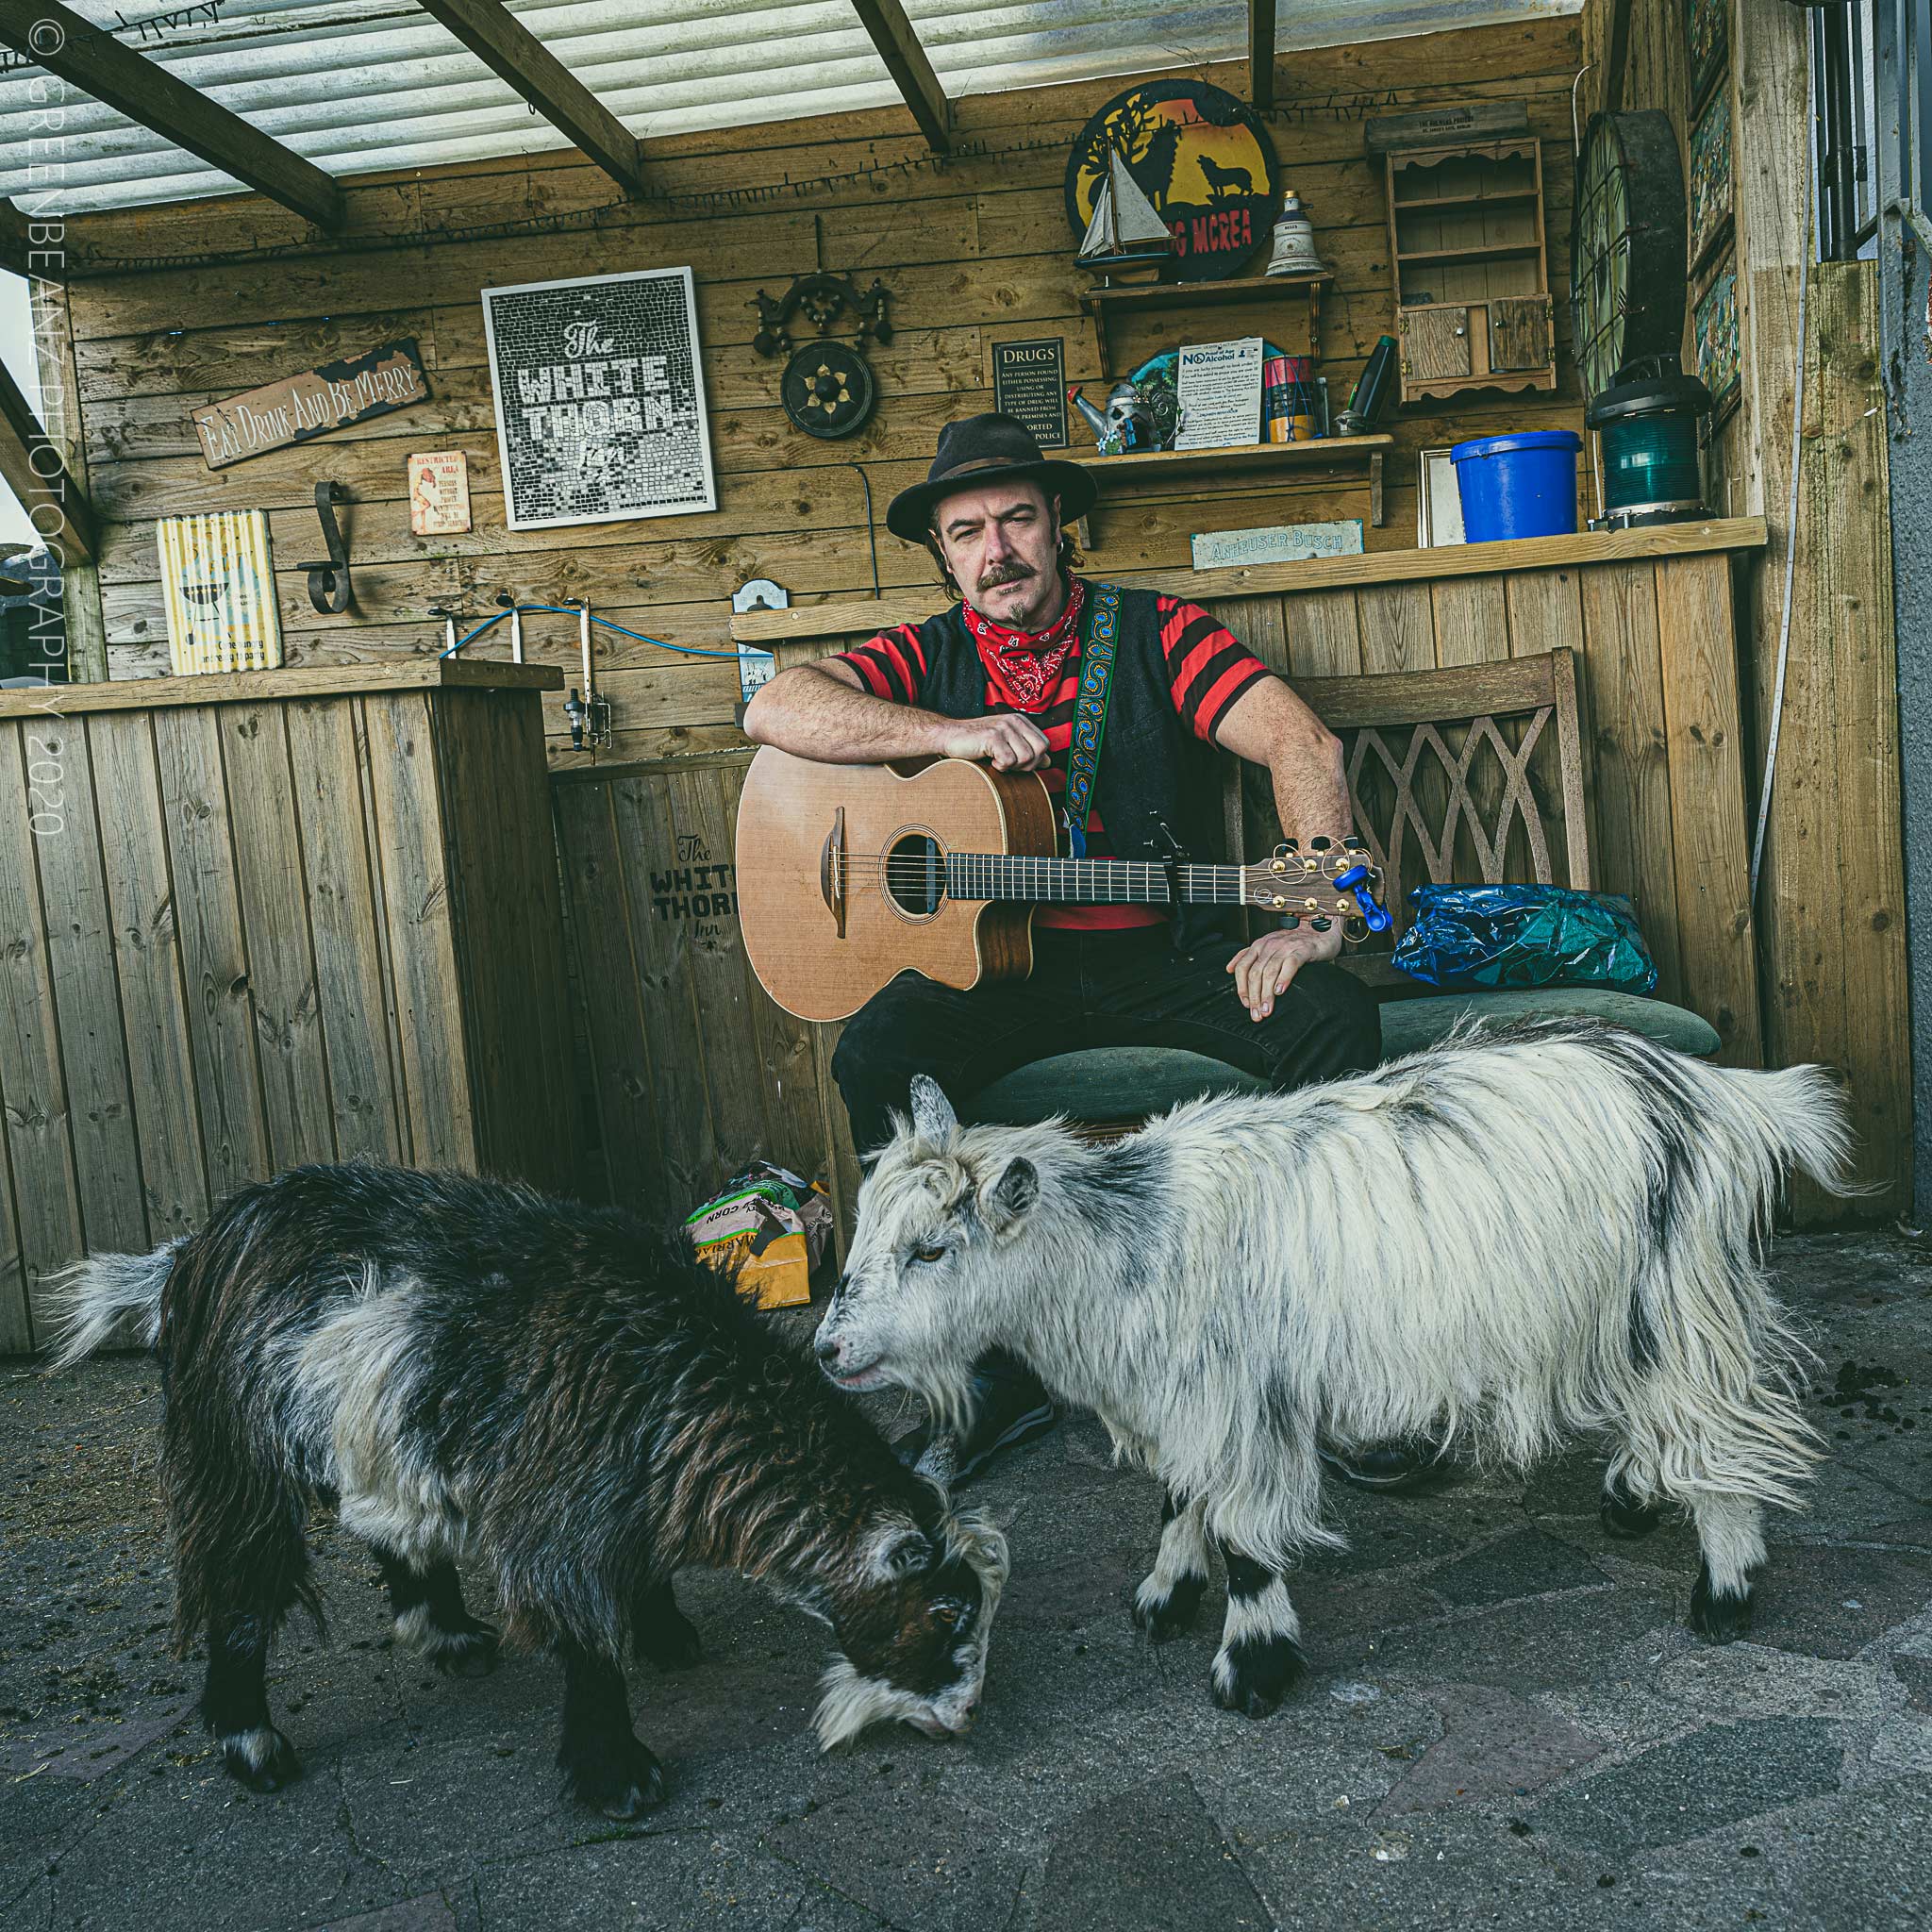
1127	240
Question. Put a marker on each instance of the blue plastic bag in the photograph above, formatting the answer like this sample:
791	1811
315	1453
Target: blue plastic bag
1498	936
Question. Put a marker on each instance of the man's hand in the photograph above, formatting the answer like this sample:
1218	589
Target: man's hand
1269	966
1006	742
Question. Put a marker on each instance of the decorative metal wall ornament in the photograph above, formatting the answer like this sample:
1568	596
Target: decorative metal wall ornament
329	590
827	388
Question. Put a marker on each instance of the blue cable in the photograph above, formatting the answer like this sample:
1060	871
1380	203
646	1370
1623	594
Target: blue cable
566	610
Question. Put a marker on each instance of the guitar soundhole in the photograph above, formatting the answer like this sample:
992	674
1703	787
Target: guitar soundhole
916	875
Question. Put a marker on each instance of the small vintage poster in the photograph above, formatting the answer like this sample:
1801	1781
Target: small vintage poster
1029	382
600	398
439	493
219	589
311	403
1219	385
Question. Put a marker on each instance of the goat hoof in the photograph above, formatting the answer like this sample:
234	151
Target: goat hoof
1251	1677
1623	1517
672	1643
623	1781
471	1654
1721	1616
262	1759
1165	1617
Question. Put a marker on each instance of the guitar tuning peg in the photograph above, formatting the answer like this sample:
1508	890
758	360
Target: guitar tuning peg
1355	928
1321	925
1292	845
1354	845
1319	843
1291	922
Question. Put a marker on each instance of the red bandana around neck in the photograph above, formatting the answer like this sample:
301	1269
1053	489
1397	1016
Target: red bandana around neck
1024	665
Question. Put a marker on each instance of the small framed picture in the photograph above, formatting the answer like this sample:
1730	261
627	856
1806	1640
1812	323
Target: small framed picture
1438	502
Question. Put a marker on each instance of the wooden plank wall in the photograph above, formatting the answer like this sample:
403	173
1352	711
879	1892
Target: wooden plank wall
974	250
1830	905
696	1071
230	943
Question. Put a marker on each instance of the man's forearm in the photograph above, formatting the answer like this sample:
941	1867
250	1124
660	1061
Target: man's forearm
817	715
1311	790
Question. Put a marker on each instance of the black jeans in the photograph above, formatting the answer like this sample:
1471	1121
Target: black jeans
1096	989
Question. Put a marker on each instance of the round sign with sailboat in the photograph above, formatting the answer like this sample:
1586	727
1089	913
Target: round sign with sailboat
1173	180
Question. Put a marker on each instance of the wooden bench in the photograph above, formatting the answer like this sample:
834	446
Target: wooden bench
1476	773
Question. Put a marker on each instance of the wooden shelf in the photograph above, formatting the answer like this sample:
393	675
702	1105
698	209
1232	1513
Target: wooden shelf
1464	201
1201	294
1366	451
1491	250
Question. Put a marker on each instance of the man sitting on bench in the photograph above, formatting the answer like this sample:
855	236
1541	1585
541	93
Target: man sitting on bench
998	676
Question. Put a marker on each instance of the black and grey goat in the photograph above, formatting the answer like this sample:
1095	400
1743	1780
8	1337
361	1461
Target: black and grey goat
568	1399
1500	1242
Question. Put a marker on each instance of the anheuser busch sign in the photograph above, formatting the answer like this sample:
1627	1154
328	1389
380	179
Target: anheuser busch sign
311	403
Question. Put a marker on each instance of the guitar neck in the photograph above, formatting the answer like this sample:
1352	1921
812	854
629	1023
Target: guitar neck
1087	881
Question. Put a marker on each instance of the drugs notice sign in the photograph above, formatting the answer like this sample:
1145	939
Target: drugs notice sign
600	399
311	403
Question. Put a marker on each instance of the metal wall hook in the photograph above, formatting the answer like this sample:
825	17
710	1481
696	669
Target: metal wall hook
329	589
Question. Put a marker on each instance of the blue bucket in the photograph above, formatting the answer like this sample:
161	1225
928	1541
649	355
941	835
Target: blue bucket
1518	486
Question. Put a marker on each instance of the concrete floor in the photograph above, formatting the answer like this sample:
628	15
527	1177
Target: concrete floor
1508	1722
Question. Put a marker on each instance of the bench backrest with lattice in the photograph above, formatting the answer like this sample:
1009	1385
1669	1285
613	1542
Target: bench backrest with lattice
1471	773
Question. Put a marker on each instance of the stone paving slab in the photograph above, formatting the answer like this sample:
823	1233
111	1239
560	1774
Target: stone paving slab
1506	1722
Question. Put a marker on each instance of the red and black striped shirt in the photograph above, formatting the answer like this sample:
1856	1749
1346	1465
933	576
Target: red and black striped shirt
1207	670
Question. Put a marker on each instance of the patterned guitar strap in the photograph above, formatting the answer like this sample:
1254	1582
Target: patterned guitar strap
1100	621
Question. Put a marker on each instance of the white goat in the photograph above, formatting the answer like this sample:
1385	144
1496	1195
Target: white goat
1499	1241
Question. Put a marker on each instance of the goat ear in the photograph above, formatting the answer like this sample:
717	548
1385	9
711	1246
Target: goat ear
910	1555
933	1117
1015	1191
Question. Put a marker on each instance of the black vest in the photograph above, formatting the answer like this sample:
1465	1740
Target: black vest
1152	768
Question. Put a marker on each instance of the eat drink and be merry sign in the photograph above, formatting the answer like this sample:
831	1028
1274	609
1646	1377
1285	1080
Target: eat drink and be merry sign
311	403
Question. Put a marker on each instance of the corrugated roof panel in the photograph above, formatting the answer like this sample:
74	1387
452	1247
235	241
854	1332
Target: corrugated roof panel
359	86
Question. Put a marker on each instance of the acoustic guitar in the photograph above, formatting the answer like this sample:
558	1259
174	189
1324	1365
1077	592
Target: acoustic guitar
848	875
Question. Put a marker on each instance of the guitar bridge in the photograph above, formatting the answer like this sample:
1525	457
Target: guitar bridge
832	870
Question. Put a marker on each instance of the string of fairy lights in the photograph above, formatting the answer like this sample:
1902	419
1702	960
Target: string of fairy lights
624	211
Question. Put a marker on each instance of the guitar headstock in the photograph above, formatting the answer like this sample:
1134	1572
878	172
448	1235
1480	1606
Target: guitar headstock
1324	883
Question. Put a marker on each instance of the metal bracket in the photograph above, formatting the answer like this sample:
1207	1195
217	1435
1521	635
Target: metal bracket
329	589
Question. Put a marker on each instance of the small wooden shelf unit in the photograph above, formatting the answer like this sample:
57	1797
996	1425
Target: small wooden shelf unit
1471	281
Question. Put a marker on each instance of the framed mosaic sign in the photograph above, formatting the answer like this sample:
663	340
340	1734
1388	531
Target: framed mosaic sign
1714	324
1710	177
600	399
1707	36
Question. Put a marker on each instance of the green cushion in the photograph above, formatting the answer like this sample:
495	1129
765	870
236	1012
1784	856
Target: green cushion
1124	1083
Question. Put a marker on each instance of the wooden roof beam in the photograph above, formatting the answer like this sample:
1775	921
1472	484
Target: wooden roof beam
523	62
1261	53
35	471
919	86
98	64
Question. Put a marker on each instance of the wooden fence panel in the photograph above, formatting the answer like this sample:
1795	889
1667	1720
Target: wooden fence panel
147	954
1710	846
351	988
270	882
87	1006
1635	828
214	958
46	1202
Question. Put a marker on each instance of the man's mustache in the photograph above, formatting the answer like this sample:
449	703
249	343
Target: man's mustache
1005	573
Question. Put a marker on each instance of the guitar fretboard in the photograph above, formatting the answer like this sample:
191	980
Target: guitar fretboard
1086	881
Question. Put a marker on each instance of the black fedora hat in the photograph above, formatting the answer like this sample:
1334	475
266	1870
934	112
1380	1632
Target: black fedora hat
987	449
